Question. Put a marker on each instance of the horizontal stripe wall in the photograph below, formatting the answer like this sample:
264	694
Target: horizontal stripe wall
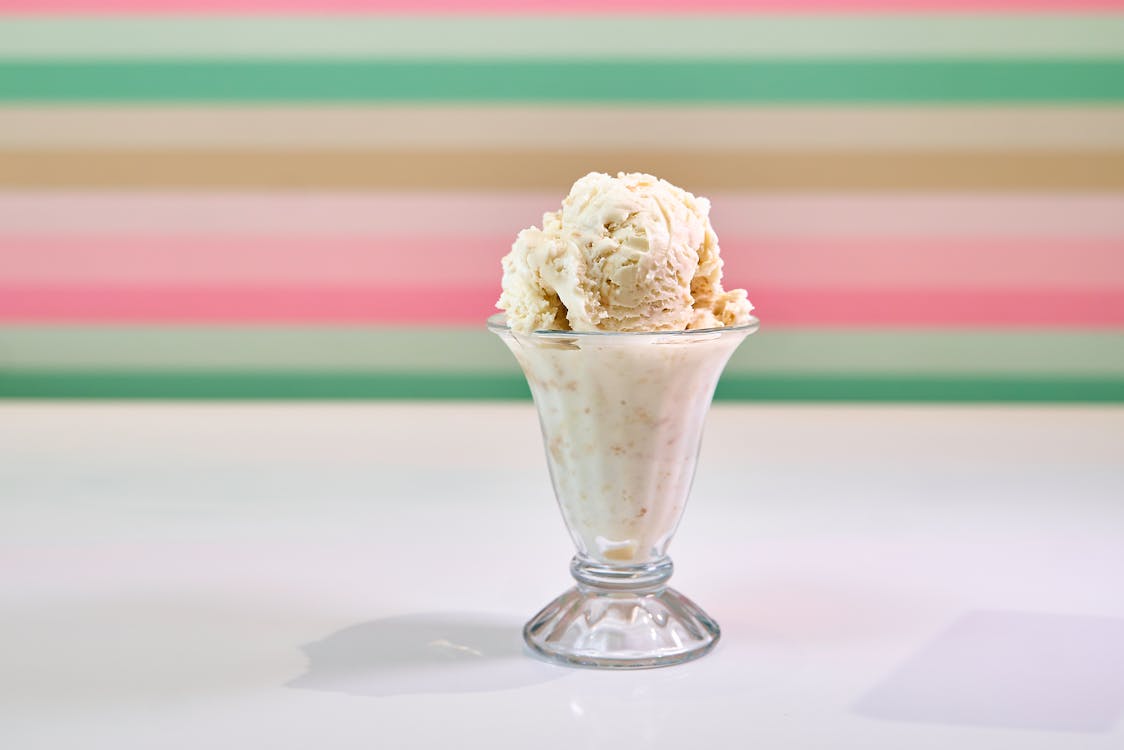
239	202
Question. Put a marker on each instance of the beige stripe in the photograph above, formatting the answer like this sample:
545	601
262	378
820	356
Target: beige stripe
482	170
456	127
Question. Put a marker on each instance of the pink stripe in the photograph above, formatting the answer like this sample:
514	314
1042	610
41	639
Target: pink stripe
925	263
551	6
469	305
941	308
317	214
454	215
303	304
876	262
251	260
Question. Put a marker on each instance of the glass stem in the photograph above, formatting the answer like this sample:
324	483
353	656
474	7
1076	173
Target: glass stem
597	577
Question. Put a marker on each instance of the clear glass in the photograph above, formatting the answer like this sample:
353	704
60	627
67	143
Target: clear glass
622	420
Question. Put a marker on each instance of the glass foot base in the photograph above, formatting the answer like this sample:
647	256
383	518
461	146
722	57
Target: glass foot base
621	630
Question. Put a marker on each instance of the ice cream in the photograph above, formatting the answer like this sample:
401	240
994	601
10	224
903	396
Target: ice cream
622	415
625	253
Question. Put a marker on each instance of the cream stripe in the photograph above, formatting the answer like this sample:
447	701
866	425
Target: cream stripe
568	37
702	128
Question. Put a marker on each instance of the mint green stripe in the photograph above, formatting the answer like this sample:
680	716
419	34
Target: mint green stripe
796	36
259	385
314	385
945	352
467	351
252	348
802	387
541	80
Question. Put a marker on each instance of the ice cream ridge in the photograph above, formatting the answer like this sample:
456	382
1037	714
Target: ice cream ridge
628	253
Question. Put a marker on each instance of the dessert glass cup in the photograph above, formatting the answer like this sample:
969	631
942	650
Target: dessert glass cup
622	419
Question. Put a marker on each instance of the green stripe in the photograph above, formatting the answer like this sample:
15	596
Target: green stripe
913	35
467	351
252	348
946	352
539	80
318	363
1014	389
341	385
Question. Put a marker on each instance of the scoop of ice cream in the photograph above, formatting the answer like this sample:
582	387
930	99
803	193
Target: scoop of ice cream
625	253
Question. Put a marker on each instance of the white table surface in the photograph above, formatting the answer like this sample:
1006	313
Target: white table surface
355	576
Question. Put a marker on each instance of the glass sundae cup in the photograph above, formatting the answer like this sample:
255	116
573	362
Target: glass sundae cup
622	419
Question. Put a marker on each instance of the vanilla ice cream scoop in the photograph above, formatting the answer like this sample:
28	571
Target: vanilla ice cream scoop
625	253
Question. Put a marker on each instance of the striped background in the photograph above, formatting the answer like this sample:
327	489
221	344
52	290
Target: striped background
309	198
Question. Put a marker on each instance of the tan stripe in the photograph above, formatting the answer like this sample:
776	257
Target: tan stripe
473	170
455	127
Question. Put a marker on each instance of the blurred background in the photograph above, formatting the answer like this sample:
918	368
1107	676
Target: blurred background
310	198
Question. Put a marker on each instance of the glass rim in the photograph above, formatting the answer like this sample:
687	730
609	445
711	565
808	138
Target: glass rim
498	324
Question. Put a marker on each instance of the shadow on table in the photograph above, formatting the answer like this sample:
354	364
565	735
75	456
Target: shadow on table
425	653
1015	670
